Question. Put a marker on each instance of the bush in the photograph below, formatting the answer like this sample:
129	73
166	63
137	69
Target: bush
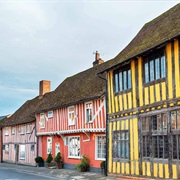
49	158
39	159
102	164
58	158
84	164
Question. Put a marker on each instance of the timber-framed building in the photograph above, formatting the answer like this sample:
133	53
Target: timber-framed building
144	102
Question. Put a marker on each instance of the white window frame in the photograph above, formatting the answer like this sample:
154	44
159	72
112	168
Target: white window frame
76	147
71	113
22	150
6	133
89	106
96	146
49	145
50	114
22	129
28	128
6	148
42	121
13	130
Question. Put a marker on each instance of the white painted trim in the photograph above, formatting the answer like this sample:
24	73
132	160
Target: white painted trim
98	111
72	131
96	158
88	135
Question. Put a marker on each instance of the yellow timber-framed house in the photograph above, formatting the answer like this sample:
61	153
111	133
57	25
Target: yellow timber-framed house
143	87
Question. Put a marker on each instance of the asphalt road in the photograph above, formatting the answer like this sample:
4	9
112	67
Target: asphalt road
13	174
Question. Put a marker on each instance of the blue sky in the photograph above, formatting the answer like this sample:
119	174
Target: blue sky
52	40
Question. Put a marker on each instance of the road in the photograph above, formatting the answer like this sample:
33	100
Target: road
14	174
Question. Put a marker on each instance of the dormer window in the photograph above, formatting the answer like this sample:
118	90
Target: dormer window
122	79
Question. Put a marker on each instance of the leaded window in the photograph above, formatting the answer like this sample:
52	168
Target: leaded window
121	144
154	67
122	79
100	147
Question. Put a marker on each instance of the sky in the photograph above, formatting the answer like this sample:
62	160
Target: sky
52	40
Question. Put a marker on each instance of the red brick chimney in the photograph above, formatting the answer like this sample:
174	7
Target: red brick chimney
98	60
44	87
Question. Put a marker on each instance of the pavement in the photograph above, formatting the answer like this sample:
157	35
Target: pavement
62	174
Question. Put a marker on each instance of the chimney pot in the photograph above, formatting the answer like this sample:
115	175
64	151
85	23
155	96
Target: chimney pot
98	60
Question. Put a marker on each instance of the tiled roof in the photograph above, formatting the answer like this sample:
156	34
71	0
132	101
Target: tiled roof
160	30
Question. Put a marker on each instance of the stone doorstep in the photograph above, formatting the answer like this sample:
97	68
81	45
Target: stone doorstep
52	167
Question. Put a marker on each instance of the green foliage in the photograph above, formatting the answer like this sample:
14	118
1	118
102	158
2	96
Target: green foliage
39	159
84	164
49	158
102	164
58	158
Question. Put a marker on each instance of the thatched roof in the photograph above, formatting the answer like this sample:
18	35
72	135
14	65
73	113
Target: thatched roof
154	33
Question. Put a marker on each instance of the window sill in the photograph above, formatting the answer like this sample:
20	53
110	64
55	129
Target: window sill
74	157
154	82
121	160
90	122
123	92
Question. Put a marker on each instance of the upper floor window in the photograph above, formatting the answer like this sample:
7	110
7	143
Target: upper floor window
71	116
6	131
22	129
122	79
154	67
42	120
13	130
28	128
88	111
50	114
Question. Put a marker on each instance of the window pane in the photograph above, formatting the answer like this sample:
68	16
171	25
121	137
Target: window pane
173	119
163	67
157	69
164	121
116	83
146	73
174	147
129	79
178	119
155	147
120	81
154	122
125	79
151	70
145	124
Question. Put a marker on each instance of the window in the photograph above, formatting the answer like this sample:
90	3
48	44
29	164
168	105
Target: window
7	148
155	135
6	131
32	147
28	128
42	120
122	80
121	144
100	147
22	129
88	112
50	114
74	147
13	130
154	67
21	151
71	116
49	145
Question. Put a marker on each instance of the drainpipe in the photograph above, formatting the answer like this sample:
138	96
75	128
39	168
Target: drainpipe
107	135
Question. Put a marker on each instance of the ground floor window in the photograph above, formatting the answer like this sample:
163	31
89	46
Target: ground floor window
22	151
121	144
74	147
100	147
157	139
49	145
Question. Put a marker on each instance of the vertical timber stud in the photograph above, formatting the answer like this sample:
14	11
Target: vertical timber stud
151	145
140	144
170	144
